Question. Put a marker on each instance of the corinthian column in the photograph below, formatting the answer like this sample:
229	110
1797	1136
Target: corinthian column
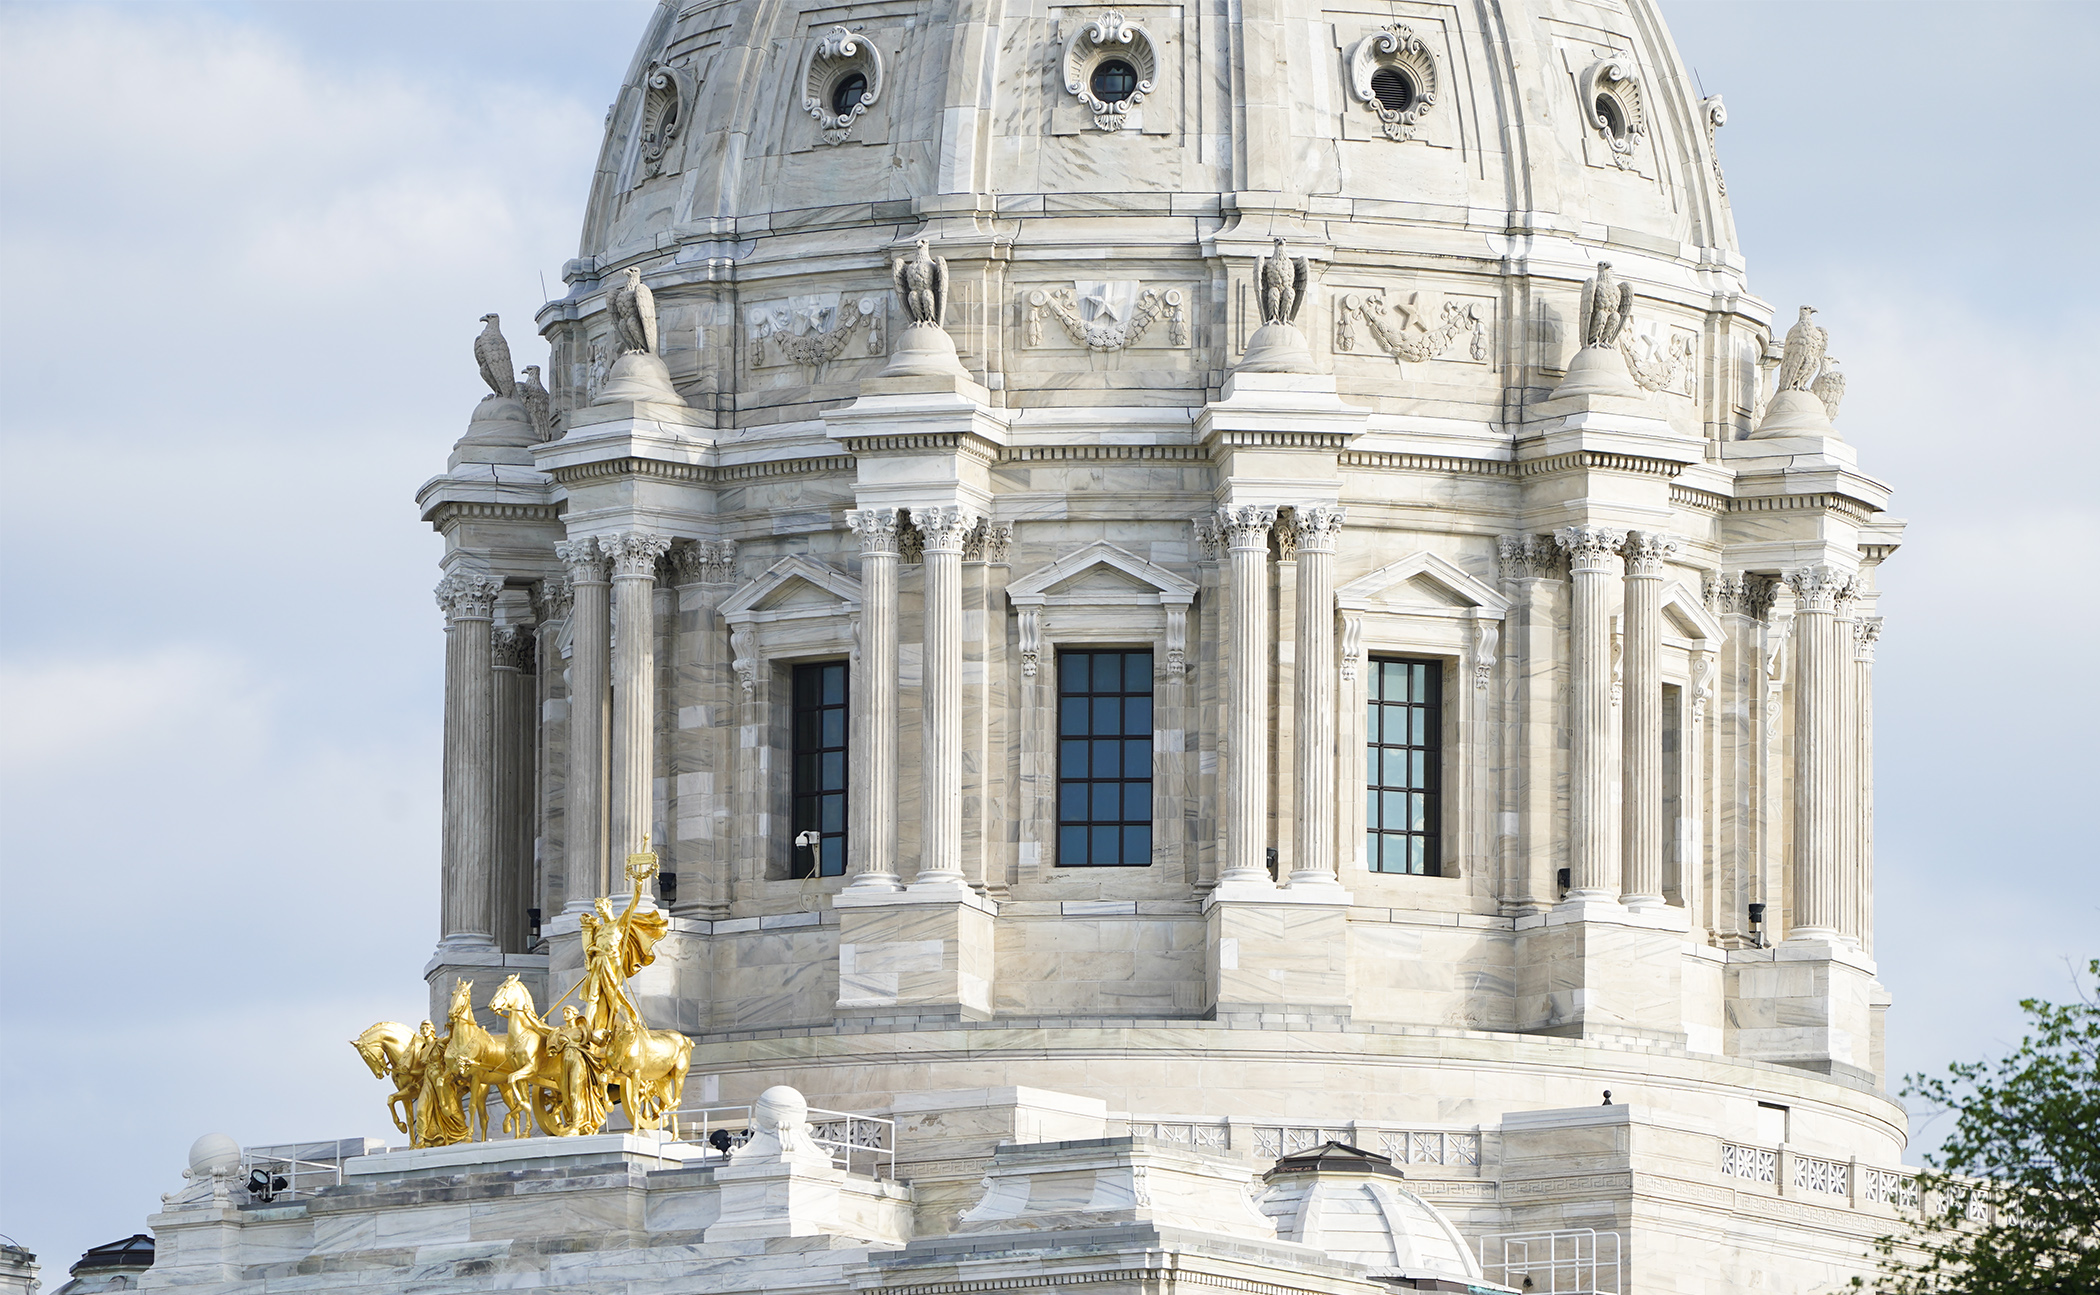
873	798
1640	764
1845	805
1312	847
633	556
469	849
590	647
1869	634
516	733
941	698
1817	760
1593	868
1246	697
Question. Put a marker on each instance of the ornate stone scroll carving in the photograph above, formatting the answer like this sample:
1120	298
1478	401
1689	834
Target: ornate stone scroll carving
1866	632
1487	636
1177	662
1352	644
667	100
1611	99
1716	115
1031	640
1106	316
1397	49
743	647
837	55
1703	666
1377	312
1110	36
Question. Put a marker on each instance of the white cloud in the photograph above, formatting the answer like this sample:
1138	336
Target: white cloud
66	718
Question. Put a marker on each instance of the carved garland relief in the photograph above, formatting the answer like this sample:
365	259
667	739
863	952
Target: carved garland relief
1107	315
839	59
1110	37
1401	325
1393	75
813	329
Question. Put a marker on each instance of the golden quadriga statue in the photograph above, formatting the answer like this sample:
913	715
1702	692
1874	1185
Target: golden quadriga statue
566	1078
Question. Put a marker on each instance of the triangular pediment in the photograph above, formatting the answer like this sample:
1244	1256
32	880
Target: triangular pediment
793	585
1100	571
1685	614
1422	582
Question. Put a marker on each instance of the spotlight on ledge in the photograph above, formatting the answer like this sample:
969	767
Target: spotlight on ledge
532	916
1757	925
667	888
264	1185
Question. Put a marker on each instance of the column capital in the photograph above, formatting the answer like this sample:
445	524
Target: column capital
1588	547
1817	588
1315	526
585	562
945	527
468	597
1739	592
987	542
1248	526
552	599
876	528
1210	536
512	647
1866	632
703	562
1528	557
634	553
1646	553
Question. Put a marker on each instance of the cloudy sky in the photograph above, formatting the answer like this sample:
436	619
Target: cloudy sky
246	244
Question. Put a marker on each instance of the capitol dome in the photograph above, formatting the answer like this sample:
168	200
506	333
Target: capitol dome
1215	585
1453	174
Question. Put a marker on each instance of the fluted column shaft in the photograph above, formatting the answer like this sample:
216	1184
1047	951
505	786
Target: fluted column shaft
941	698
1640	761
1312	847
633	556
872	799
1593	866
469	846
1817	760
1869	633
1844	730
1247	694
515	732
590	678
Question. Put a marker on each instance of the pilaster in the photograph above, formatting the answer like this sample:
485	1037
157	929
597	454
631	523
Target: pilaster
469	845
1246	744
1641	793
874	809
1592	861
1313	864
633	555
590	682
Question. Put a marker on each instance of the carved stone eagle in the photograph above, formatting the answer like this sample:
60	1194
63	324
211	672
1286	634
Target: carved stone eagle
1607	307
539	405
922	283
1829	387
633	310
1803	356
1282	282
492	353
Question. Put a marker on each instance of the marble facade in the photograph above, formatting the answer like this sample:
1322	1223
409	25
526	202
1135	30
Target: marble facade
1644	585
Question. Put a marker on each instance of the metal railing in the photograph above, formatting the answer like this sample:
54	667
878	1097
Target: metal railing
865	1144
271	1179
1572	1261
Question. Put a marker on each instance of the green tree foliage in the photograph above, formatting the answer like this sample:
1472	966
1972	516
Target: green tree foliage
2027	1145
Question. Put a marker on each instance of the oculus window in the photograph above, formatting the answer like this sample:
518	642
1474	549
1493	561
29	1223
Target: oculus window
1104	759
1403	748
818	779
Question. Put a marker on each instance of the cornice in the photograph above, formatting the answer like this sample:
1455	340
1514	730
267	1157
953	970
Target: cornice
1396	462
1599	461
444	514
1843	505
1281	440
1682	496
699	474
1098	453
962	444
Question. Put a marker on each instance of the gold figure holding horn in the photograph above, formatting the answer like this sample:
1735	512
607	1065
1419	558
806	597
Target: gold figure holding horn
563	1078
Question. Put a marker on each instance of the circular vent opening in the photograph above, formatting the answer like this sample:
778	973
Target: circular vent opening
1611	116
1114	81
1396	93
845	96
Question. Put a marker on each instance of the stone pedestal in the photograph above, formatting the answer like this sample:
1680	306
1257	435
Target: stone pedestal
915	953
1804	1004
1278	953
1598	970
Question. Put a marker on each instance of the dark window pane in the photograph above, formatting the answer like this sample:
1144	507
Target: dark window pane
1074	672
1108	716
1137	715
1107	803
1417	759
1107	761
834	814
1108	672
1071	721
1137	672
834	727
834	685
1137	846
1414	854
1071	847
808	725
805	815
834	771
1392	813
818	768
834	856
806	769
1395	852
1137	802
1103	846
1071	801
1071	761
1395	681
1421	725
1137	759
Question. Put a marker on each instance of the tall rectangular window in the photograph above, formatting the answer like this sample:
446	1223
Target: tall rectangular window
1104	759
1402	750
817	781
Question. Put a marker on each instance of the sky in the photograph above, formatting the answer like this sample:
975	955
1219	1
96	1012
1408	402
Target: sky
248	244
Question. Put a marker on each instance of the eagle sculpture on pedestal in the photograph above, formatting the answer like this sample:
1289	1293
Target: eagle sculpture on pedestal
1829	387
539	405
633	310
1607	307
1803	356
1282	282
922	282
492	353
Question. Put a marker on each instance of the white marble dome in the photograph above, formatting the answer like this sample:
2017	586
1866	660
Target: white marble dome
1101	257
